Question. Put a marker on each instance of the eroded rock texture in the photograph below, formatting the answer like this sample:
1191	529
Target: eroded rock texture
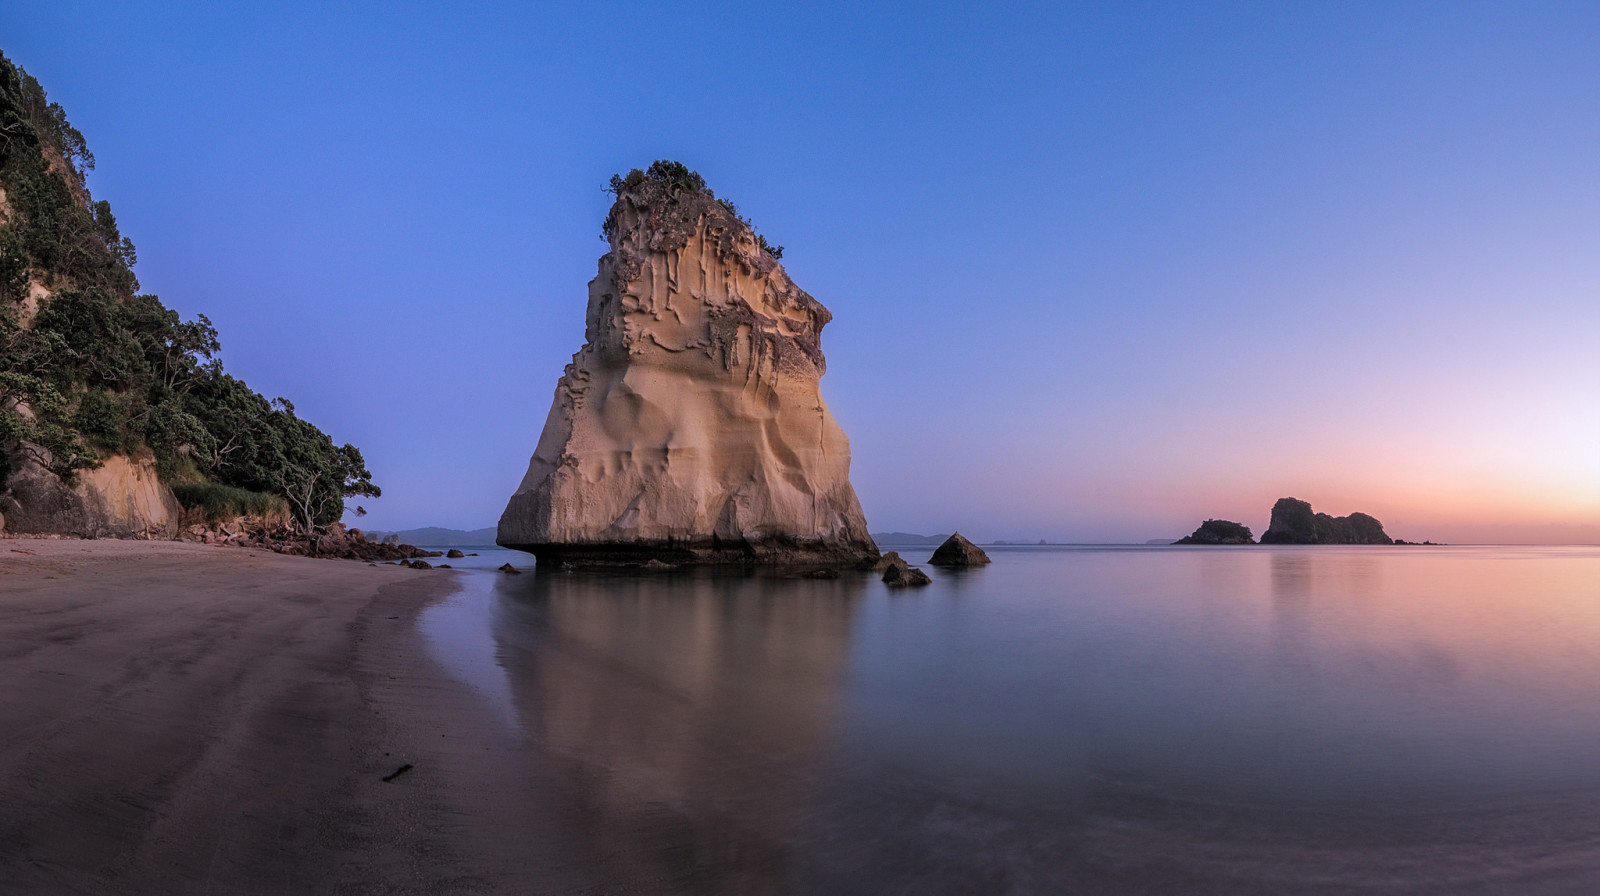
690	427
1293	522
122	498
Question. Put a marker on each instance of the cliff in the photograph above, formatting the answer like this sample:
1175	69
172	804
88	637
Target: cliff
1293	522
106	395
121	498
690	427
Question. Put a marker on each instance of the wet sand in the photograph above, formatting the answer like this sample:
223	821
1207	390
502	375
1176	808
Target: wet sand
179	718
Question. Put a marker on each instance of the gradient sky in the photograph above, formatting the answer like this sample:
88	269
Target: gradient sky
1098	271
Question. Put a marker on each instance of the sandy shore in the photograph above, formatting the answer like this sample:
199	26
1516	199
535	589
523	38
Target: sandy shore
178	718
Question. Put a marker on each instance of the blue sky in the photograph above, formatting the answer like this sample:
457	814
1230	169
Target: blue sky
1098	271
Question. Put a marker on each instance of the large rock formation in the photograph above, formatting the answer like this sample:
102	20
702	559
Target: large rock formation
1218	532
690	427
1293	522
122	498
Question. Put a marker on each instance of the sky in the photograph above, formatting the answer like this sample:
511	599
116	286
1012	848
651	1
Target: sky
1098	271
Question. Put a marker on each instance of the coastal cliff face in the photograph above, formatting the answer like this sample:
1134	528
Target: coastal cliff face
1293	522
121	498
691	426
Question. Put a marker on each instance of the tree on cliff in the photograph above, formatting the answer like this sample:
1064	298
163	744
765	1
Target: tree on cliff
309	471
98	368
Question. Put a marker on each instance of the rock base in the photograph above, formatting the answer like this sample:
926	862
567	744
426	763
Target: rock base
776	552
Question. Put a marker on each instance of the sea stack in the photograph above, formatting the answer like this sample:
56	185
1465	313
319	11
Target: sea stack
690	428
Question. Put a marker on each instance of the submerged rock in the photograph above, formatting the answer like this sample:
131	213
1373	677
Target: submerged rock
1218	532
889	558
957	551
690	428
1293	522
905	577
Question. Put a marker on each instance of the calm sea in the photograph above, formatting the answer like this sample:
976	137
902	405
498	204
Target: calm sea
1067	719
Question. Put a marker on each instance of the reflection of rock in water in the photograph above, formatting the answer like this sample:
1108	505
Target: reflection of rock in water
682	714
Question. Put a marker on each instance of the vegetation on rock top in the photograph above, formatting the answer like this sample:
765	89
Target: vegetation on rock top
673	183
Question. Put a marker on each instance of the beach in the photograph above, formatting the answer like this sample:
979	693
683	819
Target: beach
178	718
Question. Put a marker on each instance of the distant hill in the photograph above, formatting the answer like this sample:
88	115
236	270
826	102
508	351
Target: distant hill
908	538
433	535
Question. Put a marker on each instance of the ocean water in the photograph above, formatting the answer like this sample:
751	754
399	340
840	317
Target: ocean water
1066	719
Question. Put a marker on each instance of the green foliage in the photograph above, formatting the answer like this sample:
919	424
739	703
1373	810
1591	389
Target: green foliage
100	366
775	251
101	418
259	445
43	160
33	410
220	502
677	176
13	268
49	121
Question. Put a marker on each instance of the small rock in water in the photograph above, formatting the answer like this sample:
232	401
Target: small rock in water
454	554
905	577
890	558
508	568
957	551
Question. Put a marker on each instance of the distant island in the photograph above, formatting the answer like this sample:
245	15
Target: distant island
1218	532
1294	522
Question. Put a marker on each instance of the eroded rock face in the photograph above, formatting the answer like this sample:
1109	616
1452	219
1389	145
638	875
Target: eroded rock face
1219	532
690	427
1293	522
123	498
